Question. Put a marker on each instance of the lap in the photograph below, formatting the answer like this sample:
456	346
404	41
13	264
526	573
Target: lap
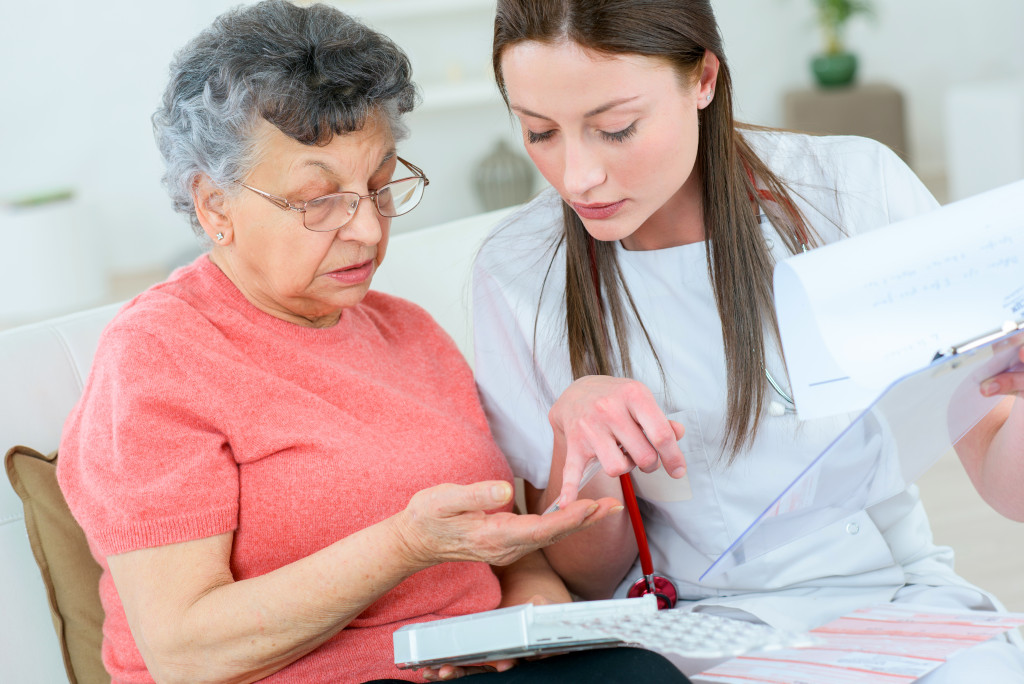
607	666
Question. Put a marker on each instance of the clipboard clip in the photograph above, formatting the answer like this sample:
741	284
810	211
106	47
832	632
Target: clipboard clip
1007	328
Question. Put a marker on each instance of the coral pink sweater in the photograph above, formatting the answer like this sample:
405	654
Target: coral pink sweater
204	415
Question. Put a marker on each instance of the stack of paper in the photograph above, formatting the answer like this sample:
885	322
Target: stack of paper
858	314
890	643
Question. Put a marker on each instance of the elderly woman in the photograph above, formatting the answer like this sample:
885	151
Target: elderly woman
275	466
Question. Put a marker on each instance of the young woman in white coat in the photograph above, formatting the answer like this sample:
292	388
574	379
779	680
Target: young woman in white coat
626	315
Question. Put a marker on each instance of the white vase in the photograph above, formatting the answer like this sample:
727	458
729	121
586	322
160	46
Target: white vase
503	177
49	262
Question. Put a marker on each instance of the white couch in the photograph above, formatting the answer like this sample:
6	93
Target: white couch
42	370
43	366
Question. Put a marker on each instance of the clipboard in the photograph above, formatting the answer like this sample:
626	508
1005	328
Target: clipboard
914	422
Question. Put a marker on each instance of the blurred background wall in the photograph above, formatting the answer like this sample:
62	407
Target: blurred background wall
80	80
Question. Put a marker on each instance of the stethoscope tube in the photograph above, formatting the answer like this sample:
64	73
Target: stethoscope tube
661	587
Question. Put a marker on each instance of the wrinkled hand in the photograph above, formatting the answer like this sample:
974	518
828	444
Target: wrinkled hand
618	422
1010	382
454	523
446	672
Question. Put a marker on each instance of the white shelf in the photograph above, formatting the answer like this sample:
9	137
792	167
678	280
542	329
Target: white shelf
470	93
391	10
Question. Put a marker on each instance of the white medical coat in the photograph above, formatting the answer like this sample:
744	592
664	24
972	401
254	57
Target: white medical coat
522	365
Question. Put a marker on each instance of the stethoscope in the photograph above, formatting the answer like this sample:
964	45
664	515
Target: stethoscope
787	405
661	587
777	408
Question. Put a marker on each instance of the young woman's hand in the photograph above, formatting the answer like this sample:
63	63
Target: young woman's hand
452	522
618	422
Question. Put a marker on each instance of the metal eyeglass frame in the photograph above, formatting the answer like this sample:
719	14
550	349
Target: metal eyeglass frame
282	203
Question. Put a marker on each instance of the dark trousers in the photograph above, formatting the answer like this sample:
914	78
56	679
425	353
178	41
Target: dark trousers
604	666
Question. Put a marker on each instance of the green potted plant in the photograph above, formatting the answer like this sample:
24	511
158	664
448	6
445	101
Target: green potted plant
836	66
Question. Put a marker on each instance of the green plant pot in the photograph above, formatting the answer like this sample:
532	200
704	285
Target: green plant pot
834	71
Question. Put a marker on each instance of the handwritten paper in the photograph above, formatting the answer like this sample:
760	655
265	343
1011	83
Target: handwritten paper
887	643
856	315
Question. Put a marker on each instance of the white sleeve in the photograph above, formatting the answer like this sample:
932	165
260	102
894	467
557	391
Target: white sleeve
847	185
905	195
873	186
513	390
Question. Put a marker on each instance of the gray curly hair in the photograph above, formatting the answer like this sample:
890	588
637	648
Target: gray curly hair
313	72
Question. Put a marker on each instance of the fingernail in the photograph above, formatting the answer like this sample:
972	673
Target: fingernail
501	492
679	472
989	388
616	509
590	510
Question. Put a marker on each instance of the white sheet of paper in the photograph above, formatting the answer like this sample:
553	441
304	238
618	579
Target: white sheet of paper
886	643
857	314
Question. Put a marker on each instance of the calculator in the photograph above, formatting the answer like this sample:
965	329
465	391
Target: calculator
528	630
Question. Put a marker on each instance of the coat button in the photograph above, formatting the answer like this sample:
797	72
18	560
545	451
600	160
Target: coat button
852	528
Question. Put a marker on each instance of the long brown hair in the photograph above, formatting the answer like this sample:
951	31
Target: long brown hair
739	261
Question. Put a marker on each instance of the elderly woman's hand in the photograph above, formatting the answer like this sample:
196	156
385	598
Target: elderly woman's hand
457	523
447	672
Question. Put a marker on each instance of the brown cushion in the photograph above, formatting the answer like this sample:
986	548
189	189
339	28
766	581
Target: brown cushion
69	571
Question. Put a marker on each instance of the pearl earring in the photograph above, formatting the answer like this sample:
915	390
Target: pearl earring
220	236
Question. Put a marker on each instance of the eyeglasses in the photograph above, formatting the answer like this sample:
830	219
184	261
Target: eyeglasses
331	212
